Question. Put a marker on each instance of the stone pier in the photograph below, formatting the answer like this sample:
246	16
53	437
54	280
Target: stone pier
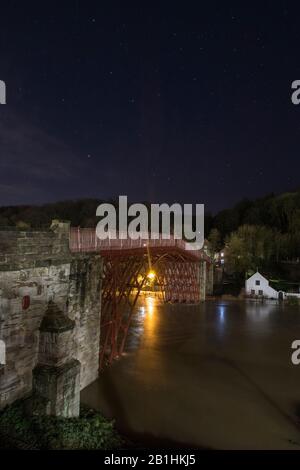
210	279
202	279
50	306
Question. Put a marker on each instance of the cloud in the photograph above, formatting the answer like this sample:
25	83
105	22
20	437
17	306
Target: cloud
32	161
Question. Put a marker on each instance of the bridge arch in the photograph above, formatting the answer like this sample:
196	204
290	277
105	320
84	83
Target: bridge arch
125	269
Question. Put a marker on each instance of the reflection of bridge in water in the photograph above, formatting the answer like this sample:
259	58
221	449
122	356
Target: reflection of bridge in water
182	275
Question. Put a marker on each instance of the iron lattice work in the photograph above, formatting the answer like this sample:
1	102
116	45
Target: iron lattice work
125	268
124	275
179	280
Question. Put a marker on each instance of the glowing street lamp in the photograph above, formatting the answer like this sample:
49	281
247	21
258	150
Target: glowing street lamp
151	275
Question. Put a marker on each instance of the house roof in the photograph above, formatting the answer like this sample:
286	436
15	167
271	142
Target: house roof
257	275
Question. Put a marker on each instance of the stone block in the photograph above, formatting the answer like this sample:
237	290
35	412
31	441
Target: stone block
60	386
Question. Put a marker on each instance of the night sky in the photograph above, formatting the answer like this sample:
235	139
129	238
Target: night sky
163	102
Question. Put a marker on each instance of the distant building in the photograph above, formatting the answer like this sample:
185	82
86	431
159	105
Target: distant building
219	257
259	286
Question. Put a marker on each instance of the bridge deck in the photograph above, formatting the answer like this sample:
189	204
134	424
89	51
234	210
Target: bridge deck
84	240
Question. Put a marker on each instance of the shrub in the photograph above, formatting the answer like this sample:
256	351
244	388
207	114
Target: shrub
90	431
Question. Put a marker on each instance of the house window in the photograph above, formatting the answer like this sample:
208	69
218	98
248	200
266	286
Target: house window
257	283
252	292
260	292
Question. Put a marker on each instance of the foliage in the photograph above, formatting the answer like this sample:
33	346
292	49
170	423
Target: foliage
280	213
90	431
251	248
293	301
215	241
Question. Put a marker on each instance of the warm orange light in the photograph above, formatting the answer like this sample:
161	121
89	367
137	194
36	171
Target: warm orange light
151	275
150	306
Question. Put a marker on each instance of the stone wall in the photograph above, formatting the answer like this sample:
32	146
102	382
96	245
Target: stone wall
202	279
35	268
84	306
209	279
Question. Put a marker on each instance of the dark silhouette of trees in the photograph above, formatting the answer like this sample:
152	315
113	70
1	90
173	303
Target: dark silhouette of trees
273	216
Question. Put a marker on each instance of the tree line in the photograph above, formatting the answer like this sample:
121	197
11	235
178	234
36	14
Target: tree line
256	233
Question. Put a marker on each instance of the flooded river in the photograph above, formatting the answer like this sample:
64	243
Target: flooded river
217	375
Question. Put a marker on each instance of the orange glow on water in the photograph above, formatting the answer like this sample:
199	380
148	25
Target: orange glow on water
150	305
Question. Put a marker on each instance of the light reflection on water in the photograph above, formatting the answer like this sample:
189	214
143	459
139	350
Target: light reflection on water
221	309
214	375
143	324
150	305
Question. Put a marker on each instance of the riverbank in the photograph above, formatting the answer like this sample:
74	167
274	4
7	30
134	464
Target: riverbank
91	431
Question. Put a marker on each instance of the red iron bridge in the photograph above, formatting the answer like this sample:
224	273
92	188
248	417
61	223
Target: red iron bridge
168	266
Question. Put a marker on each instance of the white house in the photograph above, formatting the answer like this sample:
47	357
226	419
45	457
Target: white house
258	285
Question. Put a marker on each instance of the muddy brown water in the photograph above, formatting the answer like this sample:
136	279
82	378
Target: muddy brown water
217	375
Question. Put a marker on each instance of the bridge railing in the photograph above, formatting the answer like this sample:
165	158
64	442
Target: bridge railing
86	240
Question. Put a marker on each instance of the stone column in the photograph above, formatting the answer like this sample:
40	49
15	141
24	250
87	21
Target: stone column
202	279
210	279
56	378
